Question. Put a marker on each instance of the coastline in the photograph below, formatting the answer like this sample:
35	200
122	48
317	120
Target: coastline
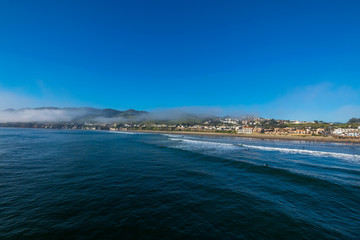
251	136
259	136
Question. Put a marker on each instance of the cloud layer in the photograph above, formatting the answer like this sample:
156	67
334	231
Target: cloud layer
43	115
322	101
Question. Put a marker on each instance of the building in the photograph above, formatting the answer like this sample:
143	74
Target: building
245	130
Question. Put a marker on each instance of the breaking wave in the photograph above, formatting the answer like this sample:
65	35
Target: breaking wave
206	145
122	132
190	144
346	156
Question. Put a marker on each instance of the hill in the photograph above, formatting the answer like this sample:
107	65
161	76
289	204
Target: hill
54	114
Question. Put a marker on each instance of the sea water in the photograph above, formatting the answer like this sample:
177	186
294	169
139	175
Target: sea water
71	184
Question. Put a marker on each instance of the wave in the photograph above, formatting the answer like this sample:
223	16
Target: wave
172	135
121	132
207	145
346	156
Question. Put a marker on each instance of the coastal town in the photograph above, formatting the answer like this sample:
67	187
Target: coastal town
255	126
250	126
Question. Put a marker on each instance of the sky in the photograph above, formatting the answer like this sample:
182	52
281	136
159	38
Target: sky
276	59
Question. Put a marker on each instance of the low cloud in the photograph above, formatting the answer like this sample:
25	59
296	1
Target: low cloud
104	116
323	101
178	113
41	115
16	98
108	120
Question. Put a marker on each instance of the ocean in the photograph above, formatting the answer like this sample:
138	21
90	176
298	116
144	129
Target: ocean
73	184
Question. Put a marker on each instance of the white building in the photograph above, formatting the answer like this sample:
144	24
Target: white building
351	132
245	130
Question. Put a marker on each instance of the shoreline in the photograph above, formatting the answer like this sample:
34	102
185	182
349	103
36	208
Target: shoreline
258	136
248	136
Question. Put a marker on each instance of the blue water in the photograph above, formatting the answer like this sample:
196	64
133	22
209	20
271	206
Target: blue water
63	184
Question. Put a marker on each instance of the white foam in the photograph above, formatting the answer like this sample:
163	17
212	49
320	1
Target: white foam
121	132
188	144
194	144
346	156
171	135
212	144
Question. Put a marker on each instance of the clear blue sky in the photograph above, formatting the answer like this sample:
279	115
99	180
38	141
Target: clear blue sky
281	59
